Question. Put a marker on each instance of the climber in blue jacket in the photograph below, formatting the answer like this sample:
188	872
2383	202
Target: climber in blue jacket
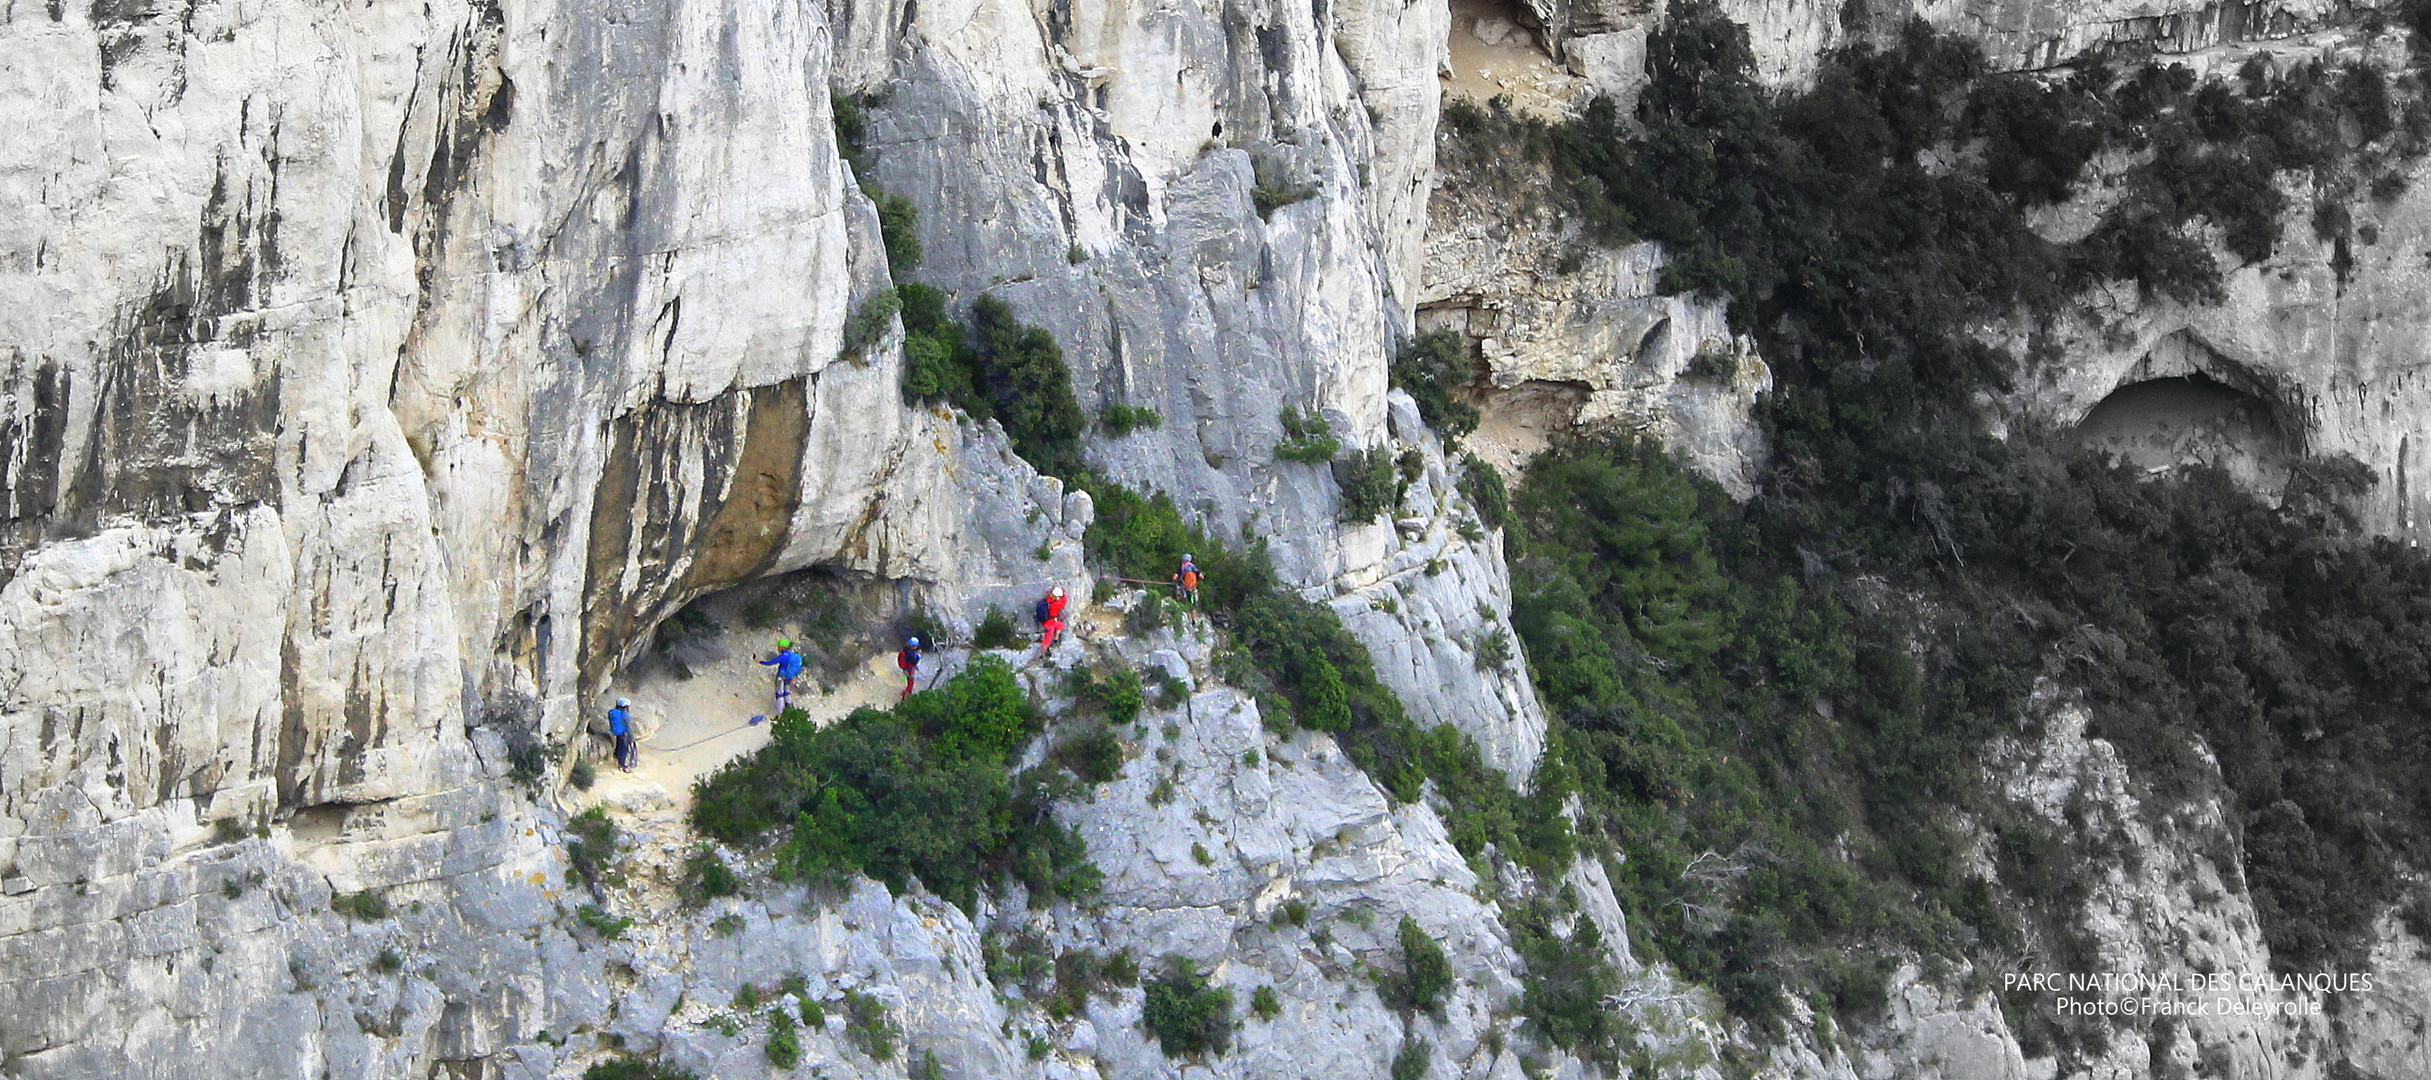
789	667
620	725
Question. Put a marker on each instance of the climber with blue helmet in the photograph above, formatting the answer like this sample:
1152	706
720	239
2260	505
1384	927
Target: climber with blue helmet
909	661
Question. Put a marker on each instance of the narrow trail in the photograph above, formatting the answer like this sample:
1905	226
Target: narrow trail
692	726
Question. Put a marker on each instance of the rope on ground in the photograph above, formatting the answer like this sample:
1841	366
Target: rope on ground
698	741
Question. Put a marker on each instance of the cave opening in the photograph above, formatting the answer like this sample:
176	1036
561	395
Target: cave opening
2167	424
1499	49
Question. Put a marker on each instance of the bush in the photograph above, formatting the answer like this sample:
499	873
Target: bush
636	1069
1095	755
994	367
367	905
784	1048
1412	1060
1109	690
1368	484
598	921
921	791
1187	1015
1269	198
1425	973
995	632
866	1026
1308	440
1484	489
870	321
1021	372
1434	368
1121	420
707	877
1264	1004
582	775
899	231
590	847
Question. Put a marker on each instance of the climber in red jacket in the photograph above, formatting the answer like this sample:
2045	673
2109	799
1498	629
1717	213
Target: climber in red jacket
1050	617
909	660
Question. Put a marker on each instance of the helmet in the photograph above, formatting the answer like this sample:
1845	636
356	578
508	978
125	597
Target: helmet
784	643
1058	590
624	703
914	643
1189	558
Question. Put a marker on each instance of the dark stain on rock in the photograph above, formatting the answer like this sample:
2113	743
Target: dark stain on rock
118	24
680	540
295	738
154	446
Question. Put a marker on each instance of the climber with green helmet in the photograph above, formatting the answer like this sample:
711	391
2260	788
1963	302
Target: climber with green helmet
789	667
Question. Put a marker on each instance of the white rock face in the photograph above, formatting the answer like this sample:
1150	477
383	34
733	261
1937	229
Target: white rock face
373	381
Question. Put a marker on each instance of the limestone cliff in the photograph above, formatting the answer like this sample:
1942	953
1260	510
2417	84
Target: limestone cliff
378	379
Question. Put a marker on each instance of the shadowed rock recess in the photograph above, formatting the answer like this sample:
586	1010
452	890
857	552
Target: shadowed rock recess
1647	633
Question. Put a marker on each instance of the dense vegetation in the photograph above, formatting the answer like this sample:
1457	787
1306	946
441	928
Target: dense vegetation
923	791
1776	710
994	366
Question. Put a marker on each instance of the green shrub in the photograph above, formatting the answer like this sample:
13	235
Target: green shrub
1434	367
1308	440
1110	690
367	905
995	631
1484	489
870	321
636	1069
899	231
867	1026
1095	754
1121	420
1264	1004
582	775
598	921
1567	981
919	791
852	132
994	367
1269	198
1412	1060
1186	1014
228	830
707	877
1425	973
784	1048
590	848
1369	487
1022	374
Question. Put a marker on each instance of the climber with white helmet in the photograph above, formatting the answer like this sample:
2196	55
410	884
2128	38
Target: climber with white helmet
1050	618
620	725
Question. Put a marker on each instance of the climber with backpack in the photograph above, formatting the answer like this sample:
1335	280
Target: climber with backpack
789	667
909	661
1186	582
1050	618
620	726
